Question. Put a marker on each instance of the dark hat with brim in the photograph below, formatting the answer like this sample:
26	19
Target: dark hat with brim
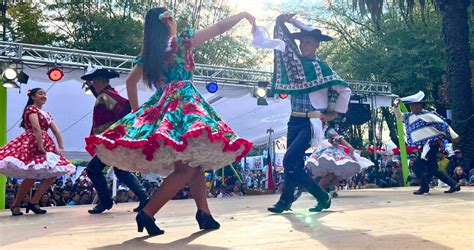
316	34
100	73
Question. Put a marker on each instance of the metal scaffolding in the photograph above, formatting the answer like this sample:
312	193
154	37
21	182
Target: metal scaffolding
39	55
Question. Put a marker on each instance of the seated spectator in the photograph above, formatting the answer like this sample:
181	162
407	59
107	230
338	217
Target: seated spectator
471	176
9	200
443	162
66	195
458	161
86	197
459	176
75	199
58	199
45	201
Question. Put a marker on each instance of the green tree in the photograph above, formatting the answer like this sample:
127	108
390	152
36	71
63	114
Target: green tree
455	31
25	24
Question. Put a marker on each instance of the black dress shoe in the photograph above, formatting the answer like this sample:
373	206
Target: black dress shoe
100	208
279	207
421	191
34	208
453	189
141	205
145	221
206	221
16	212
321	206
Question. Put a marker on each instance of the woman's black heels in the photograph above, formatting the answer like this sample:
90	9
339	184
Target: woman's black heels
35	209
206	221
16	212
144	221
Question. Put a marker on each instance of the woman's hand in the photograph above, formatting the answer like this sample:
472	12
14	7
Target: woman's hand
329	117
351	150
61	151
41	149
250	18
286	17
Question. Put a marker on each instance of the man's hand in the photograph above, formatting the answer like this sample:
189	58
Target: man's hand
329	117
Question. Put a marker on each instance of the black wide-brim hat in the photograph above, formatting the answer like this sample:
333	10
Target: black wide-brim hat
316	34
100	73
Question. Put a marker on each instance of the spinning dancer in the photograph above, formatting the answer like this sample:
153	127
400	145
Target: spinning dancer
176	133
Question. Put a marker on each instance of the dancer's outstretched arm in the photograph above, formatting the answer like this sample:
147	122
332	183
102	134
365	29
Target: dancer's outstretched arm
220	27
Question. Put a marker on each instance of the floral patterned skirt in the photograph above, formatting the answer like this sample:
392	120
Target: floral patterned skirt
177	125
332	160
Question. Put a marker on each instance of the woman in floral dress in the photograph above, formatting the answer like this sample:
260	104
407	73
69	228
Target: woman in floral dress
27	155
176	133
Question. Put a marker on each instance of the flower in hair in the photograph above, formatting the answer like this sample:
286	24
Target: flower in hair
166	16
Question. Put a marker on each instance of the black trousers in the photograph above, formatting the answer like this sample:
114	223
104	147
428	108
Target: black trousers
426	169
298	140
94	172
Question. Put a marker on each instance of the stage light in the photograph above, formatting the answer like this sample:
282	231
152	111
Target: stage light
23	77
10	84
283	96
10	73
212	87
55	74
260	92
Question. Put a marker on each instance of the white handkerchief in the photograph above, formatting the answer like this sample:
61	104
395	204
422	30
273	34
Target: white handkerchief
52	159
261	39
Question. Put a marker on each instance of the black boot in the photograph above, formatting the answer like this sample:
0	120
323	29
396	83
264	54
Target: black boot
141	205
280	207
145	221
421	191
321	206
206	221
453	189
101	207
35	209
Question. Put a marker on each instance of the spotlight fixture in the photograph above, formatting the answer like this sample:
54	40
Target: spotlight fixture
10	73
212	87
55	74
261	93
10	84
23	77
283	96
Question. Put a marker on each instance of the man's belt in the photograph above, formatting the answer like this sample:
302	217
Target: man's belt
312	114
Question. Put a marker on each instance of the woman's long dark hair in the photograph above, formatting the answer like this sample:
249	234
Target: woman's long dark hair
30	102
155	42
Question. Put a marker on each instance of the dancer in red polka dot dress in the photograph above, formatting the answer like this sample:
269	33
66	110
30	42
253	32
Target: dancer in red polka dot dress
27	155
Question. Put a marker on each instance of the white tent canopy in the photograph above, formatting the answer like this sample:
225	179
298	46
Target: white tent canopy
72	109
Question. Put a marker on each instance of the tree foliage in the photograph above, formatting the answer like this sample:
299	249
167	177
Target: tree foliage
117	27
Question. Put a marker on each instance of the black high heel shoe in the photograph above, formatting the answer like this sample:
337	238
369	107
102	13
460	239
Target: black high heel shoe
16	212
206	221
35	209
144	221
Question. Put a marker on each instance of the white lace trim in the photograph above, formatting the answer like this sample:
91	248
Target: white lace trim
14	167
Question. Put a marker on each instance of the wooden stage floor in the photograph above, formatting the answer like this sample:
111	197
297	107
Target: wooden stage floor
358	219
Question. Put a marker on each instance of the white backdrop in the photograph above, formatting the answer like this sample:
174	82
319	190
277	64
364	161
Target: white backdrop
72	109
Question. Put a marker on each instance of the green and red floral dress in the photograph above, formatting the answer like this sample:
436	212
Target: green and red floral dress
175	124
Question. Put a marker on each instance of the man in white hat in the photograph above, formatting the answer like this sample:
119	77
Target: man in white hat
109	107
428	130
